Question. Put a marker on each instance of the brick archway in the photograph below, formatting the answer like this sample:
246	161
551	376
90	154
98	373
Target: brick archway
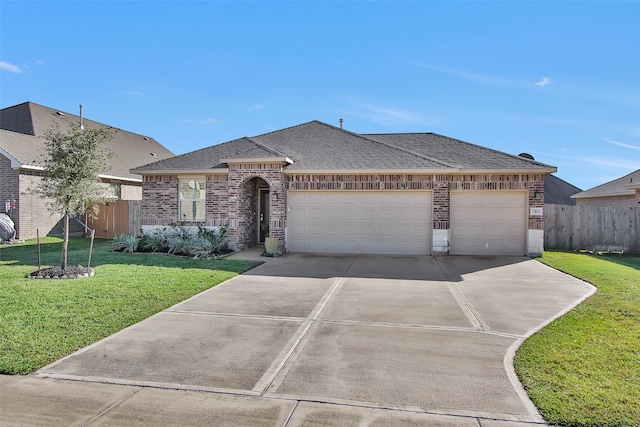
245	182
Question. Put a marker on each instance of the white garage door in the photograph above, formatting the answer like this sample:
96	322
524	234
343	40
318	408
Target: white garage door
488	223
363	222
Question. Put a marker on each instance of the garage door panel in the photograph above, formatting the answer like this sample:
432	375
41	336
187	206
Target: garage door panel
360	222
488	223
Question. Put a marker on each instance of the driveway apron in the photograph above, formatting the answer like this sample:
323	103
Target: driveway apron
337	340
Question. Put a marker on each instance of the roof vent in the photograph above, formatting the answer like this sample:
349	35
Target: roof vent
59	113
526	156
145	138
153	154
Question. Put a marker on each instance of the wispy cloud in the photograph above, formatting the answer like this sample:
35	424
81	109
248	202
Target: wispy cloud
389	115
207	121
608	162
10	67
39	62
468	75
634	132
618	143
542	83
255	107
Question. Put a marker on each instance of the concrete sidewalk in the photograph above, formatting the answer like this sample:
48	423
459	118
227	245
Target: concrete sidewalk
315	340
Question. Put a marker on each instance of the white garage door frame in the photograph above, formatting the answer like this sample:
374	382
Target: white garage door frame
486	222
364	222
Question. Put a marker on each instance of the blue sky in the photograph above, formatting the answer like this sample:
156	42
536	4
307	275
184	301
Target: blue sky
559	80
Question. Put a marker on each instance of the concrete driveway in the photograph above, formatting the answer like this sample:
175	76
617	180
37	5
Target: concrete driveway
316	340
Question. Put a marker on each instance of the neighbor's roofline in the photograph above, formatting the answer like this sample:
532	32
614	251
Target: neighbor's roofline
591	196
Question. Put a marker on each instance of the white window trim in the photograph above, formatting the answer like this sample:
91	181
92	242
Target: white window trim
192	199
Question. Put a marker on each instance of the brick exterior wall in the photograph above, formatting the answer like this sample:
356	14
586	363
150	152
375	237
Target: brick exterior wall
232	199
629	201
34	211
160	200
8	183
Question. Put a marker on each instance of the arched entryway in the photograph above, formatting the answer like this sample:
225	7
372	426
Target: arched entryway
256	198
253	211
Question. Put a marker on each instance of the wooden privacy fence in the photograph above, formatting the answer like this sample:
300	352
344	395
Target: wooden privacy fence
592	228
120	217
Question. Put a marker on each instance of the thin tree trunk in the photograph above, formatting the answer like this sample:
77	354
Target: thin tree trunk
65	243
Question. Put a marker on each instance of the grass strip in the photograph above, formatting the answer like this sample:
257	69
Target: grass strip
42	320
584	368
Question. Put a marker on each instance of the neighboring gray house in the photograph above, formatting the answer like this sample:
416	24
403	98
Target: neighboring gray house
22	128
324	189
621	192
558	191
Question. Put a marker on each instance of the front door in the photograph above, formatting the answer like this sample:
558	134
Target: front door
263	209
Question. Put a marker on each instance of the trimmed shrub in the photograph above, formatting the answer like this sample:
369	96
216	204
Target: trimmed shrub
153	242
125	243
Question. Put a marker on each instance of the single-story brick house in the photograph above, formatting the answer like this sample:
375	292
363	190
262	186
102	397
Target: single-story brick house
324	189
620	193
22	129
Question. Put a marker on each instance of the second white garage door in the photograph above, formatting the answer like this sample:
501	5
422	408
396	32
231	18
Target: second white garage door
488	223
365	222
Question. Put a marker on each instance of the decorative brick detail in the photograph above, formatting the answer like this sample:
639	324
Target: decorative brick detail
359	182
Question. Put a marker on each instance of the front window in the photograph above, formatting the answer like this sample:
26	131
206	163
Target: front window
114	190
192	199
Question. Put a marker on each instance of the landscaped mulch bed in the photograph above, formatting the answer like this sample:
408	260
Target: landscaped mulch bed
76	272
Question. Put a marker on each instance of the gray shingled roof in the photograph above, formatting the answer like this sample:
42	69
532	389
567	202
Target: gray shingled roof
558	191
617	187
23	127
318	146
454	152
209	158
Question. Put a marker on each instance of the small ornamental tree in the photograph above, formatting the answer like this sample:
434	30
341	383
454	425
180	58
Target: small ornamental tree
72	161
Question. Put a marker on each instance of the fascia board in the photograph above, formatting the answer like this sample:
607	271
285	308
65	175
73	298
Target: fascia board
591	196
514	171
119	178
258	160
217	171
368	171
15	163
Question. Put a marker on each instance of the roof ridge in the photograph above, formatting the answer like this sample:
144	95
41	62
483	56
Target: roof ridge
287	128
265	147
431	159
362	136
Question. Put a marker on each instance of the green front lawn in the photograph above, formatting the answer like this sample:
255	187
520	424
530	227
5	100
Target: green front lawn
42	320
584	368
